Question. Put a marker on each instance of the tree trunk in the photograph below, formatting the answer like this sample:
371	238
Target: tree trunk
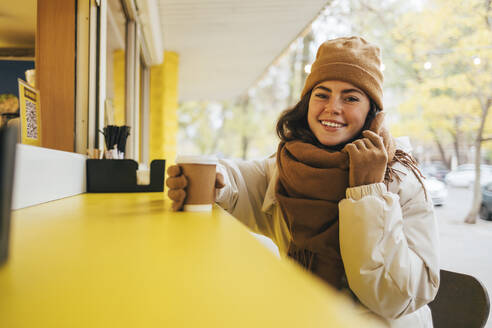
292	80
244	147
457	145
245	137
456	148
477	195
306	56
441	149
457	140
488	18
220	130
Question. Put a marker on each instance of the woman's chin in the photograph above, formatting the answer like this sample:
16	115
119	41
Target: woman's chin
333	144
336	141
329	142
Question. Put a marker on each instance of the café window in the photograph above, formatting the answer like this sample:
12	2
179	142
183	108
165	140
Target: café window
118	77
115	64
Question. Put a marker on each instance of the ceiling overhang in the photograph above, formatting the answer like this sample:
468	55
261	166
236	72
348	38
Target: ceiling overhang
224	46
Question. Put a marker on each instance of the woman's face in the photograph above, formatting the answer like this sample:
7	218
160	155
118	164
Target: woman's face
337	112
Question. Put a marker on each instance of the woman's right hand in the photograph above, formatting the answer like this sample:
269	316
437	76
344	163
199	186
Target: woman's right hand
177	183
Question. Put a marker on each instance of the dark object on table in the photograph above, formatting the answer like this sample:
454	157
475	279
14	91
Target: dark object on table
8	139
462	301
120	175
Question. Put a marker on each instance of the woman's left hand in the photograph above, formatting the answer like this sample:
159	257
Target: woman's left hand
368	159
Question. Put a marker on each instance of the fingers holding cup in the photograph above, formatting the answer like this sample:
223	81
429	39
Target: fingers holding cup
178	197
173	171
178	182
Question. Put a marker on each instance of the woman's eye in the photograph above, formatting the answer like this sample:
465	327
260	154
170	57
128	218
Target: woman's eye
321	95
352	99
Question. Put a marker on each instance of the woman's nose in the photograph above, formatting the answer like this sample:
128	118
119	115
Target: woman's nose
333	106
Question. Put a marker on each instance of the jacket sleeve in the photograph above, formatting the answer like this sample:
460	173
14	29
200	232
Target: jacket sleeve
246	183
390	246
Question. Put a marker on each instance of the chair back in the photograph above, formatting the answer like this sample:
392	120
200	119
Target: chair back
461	301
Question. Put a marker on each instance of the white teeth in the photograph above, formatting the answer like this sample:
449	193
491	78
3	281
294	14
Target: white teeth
331	124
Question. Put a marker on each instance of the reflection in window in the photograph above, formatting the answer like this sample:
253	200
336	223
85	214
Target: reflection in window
115	69
144	111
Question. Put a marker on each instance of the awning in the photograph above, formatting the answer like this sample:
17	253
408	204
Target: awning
226	45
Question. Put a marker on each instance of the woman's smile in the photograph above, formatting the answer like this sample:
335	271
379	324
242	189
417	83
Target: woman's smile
331	125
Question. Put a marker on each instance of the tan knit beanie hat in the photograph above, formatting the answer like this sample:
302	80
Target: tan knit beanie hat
352	60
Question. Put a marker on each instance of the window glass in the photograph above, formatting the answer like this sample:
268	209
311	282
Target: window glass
115	69
144	111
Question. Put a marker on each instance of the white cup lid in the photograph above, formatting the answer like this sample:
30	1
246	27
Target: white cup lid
196	159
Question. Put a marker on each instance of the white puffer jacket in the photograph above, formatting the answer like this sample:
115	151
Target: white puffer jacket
388	237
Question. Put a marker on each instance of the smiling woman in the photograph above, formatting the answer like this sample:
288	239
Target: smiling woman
339	198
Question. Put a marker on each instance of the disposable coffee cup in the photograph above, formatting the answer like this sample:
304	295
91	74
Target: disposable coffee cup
200	173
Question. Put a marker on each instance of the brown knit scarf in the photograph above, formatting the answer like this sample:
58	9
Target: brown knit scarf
311	183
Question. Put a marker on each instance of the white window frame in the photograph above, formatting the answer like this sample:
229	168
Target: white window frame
91	79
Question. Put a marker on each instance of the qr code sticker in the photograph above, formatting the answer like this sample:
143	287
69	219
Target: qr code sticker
31	120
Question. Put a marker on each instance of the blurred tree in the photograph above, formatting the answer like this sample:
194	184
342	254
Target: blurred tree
451	56
306	60
235	129
200	125
293	68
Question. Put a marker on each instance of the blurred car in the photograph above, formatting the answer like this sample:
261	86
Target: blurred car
437	190
434	170
464	175
486	206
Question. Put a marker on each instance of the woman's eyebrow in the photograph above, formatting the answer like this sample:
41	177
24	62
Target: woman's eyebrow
343	91
352	90
322	87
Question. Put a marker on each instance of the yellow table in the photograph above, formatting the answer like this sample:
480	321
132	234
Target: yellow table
126	260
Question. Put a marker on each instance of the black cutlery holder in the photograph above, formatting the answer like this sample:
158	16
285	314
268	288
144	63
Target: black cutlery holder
120	175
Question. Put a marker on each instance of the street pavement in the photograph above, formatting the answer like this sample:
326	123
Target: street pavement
465	248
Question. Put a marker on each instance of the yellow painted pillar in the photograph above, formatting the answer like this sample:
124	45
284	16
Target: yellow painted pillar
119	87
163	108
